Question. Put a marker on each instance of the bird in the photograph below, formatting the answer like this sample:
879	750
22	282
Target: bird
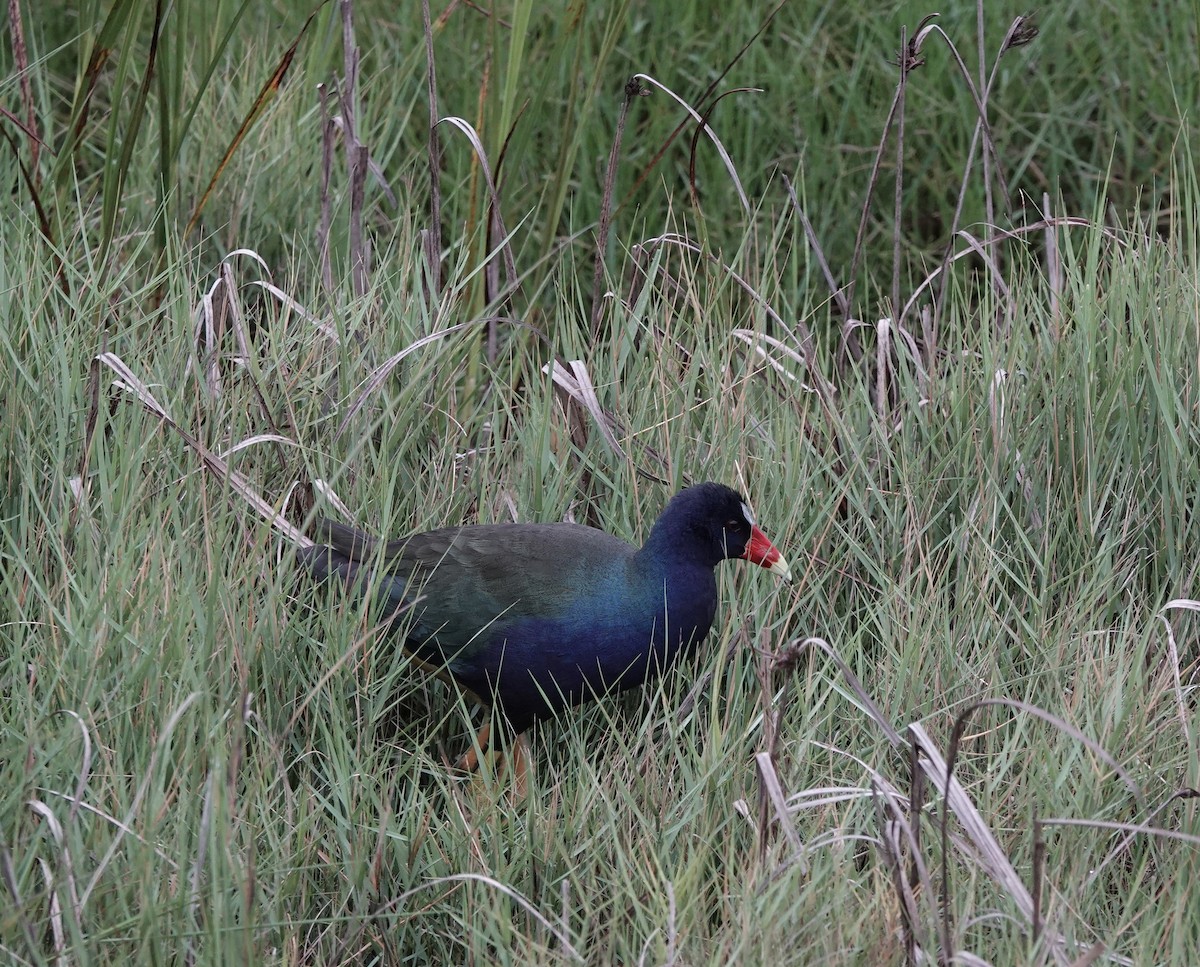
530	619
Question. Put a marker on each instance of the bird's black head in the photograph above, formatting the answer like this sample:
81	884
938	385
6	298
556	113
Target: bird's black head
710	523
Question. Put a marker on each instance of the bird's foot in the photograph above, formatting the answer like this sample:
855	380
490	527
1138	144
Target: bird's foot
516	760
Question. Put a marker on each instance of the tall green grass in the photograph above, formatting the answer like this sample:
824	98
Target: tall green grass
205	761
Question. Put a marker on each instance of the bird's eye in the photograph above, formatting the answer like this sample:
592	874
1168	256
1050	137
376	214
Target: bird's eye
734	525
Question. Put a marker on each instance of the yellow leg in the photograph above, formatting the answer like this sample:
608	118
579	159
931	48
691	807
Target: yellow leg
522	762
519	759
469	760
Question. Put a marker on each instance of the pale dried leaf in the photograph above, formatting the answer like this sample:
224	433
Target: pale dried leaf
725	159
375	380
770	780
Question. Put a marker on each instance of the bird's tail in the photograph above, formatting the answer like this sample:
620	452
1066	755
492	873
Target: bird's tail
349	542
343	551
347	558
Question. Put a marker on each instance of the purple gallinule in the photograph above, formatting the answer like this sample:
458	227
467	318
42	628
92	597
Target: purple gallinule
532	618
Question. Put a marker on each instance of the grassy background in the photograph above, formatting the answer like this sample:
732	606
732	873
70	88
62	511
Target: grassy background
994	499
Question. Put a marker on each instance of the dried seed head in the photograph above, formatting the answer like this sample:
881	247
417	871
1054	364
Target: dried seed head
1022	31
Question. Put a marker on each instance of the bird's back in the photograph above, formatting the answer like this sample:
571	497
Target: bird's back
532	616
